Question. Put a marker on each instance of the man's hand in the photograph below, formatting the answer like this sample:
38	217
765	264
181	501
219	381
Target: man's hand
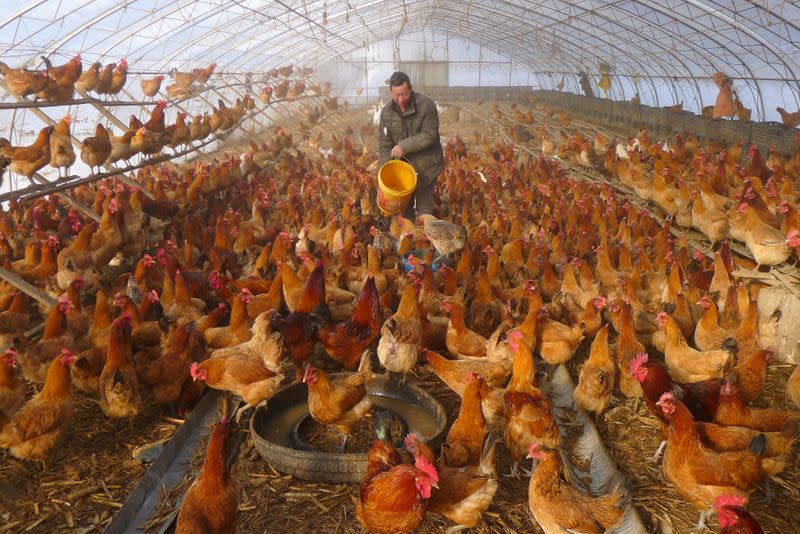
397	151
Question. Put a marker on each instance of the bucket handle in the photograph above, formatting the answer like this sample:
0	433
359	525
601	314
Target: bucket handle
403	158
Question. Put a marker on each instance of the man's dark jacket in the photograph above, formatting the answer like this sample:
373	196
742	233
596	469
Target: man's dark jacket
417	132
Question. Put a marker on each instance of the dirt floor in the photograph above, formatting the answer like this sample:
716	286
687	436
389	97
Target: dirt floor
90	475
86	479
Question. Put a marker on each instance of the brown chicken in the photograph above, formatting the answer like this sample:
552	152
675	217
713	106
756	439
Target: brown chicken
401	334
35	359
464	441
42	422
789	119
89	78
23	82
61	152
559	507
626	349
687	364
167	374
342	401
395	500
345	341
238	331
484	308
203	75
558	342
12	389
15	319
596	379
300	329
463	493
119	78
119	383
250	370
700	474
150	87
461	341
733	411
97	148
27	160
528	410
212	501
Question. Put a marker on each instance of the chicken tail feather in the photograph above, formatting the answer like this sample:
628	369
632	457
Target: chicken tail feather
758	445
791	430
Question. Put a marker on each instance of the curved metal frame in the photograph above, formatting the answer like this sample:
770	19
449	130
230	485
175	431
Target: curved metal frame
593	30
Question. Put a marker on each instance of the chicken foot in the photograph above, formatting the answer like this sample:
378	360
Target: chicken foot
515	471
246	407
701	523
658	453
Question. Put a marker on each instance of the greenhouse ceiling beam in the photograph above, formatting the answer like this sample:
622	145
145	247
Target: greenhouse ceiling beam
448	22
182	27
630	30
205	36
237	61
19	14
600	30
86	25
625	52
148	20
717	14
688	24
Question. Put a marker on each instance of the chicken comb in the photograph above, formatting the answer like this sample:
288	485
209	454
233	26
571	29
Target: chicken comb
66	357
639	360
666	397
410	441
247	296
514	338
10	357
793	238
426	467
661	318
729	500
152	296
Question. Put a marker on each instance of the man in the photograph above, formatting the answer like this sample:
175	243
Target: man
409	128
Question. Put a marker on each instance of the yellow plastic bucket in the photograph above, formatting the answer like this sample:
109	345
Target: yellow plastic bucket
397	181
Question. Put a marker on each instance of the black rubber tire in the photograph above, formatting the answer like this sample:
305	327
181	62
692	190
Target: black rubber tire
337	468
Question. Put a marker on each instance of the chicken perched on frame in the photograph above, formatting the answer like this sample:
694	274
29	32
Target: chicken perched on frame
28	160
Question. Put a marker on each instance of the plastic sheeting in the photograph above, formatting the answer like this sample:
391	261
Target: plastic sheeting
664	50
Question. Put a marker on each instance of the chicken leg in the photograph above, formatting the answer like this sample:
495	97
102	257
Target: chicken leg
515	471
660	450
